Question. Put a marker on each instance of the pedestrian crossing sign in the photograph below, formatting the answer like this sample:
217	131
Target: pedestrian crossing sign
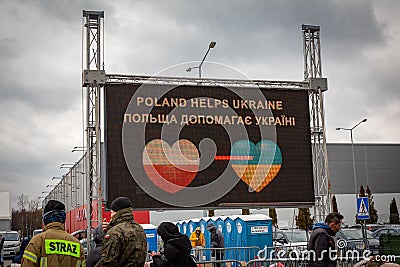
362	208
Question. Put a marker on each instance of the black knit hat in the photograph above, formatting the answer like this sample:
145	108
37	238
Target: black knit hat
53	205
120	203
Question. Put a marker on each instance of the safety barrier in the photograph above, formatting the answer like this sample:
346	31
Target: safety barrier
291	263
227	263
278	256
231	254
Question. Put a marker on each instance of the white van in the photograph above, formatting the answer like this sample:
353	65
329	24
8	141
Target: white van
36	231
11	243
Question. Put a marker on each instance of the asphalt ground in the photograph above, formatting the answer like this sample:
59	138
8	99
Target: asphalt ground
7	262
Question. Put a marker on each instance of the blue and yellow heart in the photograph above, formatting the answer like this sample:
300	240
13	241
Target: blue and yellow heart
257	165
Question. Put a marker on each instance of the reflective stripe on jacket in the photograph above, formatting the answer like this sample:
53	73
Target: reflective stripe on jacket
54	248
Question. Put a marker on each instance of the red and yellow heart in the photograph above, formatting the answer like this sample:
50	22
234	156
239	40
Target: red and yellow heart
171	168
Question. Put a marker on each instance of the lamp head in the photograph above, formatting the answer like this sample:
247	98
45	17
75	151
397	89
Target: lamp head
212	44
364	120
189	69
337	129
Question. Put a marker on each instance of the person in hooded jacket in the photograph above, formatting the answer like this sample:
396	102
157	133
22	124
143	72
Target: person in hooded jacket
322	240
177	248
95	253
198	242
217	242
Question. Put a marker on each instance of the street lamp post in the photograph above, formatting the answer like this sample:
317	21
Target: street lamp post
79	148
352	151
211	45
364	231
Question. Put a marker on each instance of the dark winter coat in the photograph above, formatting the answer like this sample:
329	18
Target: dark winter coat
322	240
95	253
217	239
177	248
17	258
125	243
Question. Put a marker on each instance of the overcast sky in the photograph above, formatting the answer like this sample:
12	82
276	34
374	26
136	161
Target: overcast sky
41	65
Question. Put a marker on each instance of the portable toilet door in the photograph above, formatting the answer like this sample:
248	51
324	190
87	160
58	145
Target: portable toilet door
240	239
207	236
229	235
240	228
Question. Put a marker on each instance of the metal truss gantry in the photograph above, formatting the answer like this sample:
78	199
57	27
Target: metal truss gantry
313	74
93	80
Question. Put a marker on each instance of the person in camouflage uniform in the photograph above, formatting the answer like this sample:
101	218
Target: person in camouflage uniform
124	243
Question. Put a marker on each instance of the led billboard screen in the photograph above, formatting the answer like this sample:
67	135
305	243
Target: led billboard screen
189	146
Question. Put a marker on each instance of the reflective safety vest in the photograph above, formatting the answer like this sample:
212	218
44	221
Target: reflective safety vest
54	248
62	247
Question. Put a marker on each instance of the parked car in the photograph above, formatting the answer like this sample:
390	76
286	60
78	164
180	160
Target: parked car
291	237
289	240
374	227
84	244
11	243
354	240
36	231
80	234
371	227
391	230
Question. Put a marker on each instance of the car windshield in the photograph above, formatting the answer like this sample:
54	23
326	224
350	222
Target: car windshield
10	236
37	231
296	236
356	234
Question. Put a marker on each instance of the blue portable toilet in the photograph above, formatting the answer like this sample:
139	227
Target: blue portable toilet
203	226
253	231
229	236
151	236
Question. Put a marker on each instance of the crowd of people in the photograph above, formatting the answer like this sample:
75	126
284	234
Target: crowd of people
122	242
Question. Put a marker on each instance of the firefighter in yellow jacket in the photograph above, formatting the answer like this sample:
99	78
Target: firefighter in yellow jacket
54	247
198	242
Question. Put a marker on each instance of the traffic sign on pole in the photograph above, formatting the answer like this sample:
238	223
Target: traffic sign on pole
362	208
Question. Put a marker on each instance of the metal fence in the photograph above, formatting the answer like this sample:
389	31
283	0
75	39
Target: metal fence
278	256
230	256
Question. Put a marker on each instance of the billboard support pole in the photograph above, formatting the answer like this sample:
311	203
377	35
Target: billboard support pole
93	80
313	74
